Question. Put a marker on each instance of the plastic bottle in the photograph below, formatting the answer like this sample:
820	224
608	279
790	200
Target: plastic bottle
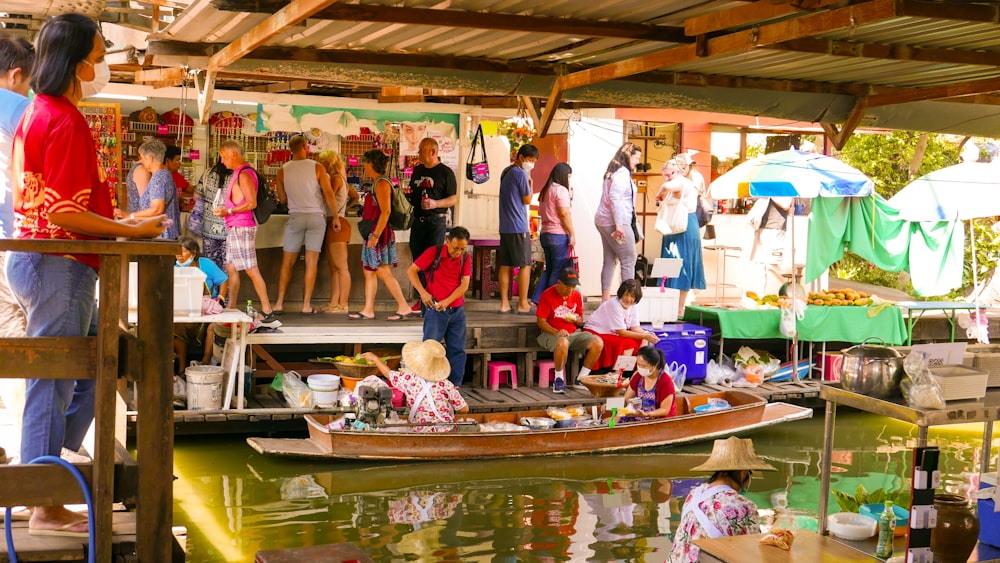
886	528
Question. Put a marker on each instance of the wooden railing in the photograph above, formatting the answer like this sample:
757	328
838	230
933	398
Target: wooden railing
145	358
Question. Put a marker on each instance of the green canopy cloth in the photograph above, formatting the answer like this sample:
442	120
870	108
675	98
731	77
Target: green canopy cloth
932	252
821	323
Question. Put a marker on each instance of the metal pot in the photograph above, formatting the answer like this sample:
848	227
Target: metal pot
872	370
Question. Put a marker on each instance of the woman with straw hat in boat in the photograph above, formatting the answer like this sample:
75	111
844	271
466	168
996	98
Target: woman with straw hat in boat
431	398
717	508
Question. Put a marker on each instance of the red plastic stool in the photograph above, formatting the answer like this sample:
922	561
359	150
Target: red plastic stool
546	371
506	369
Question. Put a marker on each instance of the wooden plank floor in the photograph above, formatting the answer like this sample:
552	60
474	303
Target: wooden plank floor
47	548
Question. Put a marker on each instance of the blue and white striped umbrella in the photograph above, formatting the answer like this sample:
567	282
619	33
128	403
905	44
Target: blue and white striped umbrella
792	173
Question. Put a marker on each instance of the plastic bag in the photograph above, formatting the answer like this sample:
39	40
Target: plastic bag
921	390
677	372
296	393
719	374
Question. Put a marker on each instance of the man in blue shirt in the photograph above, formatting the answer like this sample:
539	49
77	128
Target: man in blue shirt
515	236
17	57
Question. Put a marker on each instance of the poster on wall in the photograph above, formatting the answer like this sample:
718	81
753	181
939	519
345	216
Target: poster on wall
320	125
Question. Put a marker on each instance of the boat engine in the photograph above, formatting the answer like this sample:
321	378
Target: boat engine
374	404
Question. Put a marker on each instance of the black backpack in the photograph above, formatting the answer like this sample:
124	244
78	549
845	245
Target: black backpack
267	202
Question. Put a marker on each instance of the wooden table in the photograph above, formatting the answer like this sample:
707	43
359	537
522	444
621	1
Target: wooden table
808	547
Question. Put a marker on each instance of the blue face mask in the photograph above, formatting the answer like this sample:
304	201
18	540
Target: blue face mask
185	264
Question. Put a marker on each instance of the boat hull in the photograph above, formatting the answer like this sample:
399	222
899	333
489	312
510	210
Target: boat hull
747	414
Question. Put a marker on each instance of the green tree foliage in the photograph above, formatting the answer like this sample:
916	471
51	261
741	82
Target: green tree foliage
886	158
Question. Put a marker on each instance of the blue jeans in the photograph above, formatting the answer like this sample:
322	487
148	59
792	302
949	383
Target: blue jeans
556	248
448	325
57	295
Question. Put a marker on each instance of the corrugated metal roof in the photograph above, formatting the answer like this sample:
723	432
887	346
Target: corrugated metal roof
956	42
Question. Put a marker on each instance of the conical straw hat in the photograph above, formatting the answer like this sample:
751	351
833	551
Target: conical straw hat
734	454
426	359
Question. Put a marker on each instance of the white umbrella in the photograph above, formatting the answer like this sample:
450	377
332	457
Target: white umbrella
962	192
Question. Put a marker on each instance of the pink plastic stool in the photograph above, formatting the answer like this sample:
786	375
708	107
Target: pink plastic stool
546	371
494	370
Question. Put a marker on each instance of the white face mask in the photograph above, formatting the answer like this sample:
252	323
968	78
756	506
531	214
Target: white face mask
102	75
527	166
186	263
645	372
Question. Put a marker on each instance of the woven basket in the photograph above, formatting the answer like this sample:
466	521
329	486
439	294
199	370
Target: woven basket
600	389
356	371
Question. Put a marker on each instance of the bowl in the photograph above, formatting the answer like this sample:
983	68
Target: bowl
874	510
538	422
574	422
600	389
851	526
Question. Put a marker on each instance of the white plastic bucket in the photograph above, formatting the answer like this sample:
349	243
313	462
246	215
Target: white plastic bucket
324	388
189	286
204	387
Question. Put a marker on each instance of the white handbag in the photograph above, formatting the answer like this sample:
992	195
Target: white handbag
672	217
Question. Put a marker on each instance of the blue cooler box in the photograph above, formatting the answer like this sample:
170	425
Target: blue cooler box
686	344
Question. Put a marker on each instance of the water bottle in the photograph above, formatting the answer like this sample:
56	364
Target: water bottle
251	312
886	529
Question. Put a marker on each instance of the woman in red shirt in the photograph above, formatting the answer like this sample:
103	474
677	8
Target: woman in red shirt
60	193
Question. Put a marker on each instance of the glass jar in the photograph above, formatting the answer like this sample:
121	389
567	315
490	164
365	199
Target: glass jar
957	530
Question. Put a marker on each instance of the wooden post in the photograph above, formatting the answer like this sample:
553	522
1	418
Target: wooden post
155	428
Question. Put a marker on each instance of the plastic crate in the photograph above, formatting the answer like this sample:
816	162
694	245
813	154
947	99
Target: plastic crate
961	382
987	357
658	304
685	344
989	521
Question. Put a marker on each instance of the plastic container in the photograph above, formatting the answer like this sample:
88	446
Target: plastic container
851	526
538	422
874	510
324	388
685	344
989	521
189	286
657	305
204	387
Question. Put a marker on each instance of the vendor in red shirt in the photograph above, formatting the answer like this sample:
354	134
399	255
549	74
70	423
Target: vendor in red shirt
172	161
448	270
559	317
58	194
652	386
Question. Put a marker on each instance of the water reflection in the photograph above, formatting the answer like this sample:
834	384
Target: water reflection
620	507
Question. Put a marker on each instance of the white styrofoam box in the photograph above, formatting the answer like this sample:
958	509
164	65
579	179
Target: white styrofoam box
658	304
189	286
961	382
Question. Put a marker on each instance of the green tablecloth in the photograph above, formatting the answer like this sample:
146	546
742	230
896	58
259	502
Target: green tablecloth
821	323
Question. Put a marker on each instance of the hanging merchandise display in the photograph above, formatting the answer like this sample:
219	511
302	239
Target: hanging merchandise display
106	128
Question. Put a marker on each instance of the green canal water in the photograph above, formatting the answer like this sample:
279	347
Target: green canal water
235	502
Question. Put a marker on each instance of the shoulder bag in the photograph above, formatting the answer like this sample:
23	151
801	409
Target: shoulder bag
672	217
478	170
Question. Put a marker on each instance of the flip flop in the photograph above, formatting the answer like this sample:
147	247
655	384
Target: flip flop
334	310
507	312
278	312
62	531
396	317
360	317
308	313
17	514
529	312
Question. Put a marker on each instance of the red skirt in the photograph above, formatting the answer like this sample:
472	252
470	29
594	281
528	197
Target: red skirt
615	346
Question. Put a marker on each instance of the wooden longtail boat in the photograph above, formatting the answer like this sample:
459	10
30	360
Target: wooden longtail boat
749	412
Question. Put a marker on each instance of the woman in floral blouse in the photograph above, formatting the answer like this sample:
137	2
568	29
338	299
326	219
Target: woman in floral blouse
429	395
717	508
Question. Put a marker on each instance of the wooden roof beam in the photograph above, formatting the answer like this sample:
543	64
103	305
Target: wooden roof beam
473	20
279	87
950	10
152	75
840	136
894	96
752	13
290	15
888	52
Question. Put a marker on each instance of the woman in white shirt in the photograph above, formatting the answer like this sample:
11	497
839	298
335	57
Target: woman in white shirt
616	322
615	217
685	245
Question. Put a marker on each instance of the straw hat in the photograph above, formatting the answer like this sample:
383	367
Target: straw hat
734	454
426	359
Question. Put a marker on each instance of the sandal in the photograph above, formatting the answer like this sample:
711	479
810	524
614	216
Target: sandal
396	317
360	317
333	309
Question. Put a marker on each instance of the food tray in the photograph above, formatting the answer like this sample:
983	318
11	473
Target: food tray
961	382
600	389
987	358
